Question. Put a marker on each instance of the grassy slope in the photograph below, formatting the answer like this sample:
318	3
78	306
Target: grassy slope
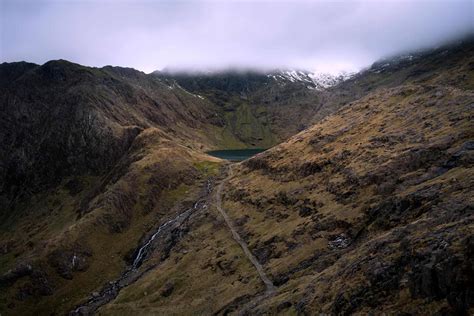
207	269
99	216
347	176
146	187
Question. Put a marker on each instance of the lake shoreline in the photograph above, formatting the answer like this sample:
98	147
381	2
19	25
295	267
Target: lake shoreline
235	155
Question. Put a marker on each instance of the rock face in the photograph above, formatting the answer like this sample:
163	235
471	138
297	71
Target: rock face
259	108
62	119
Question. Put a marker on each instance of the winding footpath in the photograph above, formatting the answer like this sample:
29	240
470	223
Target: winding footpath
270	288
133	273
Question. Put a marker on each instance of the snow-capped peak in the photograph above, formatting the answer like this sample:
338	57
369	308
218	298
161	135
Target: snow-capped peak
325	80
312	80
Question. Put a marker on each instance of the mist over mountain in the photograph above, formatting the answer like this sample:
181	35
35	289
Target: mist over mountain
196	35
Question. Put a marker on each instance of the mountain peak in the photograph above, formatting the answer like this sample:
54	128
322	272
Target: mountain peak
313	79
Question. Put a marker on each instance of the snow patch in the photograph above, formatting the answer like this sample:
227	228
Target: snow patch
312	80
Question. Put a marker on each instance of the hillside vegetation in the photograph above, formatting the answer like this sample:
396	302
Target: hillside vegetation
370	210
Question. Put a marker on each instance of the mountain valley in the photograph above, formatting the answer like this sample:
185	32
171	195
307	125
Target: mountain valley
362	203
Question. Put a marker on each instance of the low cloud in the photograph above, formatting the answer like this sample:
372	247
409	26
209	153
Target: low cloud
150	35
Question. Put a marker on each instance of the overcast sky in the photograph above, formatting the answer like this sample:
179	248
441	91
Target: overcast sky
149	35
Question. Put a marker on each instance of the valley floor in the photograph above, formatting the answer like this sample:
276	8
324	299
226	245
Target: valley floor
123	296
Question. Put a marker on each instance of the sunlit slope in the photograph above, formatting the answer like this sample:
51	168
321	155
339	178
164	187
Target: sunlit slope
371	209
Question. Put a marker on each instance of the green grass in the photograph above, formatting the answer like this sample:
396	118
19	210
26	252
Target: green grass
207	168
245	127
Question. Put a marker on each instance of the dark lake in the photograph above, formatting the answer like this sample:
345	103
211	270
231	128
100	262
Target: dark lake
235	154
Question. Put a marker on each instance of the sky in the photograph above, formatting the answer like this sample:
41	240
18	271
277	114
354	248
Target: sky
327	36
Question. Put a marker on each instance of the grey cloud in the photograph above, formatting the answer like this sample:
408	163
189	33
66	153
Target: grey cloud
149	35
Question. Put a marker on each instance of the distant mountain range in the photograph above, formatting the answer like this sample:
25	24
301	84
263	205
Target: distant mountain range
312	79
